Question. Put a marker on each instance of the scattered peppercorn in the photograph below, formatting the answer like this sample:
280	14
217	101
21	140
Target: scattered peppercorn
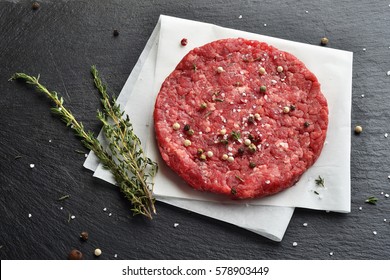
97	252
186	127
324	41
115	33
233	191
200	151
202	157
75	255
286	109
203	105
263	89
84	235
251	119
35	5
358	129
184	42
279	69
241	151
190	132
306	124
292	107
252	148
252	165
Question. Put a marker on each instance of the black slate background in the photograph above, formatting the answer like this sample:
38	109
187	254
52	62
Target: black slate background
62	39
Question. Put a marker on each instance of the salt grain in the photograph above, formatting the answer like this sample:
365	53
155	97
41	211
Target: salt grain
175	225
374	232
386	135
116	255
364	49
50	141
331	254
104	209
295	244
388	73
32	165
385	220
110	214
61	208
360	208
29	215
240	16
362	95
305	224
387	195
265	24
73	217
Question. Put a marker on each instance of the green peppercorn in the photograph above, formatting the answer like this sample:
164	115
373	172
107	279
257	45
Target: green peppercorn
252	165
200	151
263	89
202	157
190	132
252	148
203	105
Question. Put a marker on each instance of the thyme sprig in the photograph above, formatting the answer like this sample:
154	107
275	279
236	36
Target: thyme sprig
124	157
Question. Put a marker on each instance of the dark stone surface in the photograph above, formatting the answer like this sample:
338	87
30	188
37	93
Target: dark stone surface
62	39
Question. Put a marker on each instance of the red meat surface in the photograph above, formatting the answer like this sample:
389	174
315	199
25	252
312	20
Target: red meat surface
226	127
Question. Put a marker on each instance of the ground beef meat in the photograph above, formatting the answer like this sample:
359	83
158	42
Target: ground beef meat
241	118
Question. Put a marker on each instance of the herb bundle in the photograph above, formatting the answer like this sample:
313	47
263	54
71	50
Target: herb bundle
124	156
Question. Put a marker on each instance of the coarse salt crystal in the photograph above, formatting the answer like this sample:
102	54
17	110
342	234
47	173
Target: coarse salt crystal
61	208
29	215
388	73
374	232
240	16
386	135
362	95
32	165
104	209
360	208
116	255
86	155
110	214
175	225
364	49
265	24
295	244
267	182
305	224
387	195
50	141
385	220
73	217
331	254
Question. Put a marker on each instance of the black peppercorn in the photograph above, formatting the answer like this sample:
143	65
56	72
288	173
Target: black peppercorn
35	6
115	33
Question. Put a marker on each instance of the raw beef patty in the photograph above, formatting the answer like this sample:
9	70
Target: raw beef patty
241	118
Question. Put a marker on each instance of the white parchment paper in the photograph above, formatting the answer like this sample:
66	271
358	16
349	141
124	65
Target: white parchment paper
270	216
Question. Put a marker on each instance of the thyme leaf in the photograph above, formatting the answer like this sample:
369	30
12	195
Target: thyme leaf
371	200
124	156
320	181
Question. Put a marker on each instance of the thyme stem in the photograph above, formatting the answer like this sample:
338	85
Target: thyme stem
124	157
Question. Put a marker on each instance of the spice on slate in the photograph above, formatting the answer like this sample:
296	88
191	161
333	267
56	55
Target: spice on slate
184	42
358	129
75	255
371	200
115	33
324	41
35	5
97	252
84	235
64	197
